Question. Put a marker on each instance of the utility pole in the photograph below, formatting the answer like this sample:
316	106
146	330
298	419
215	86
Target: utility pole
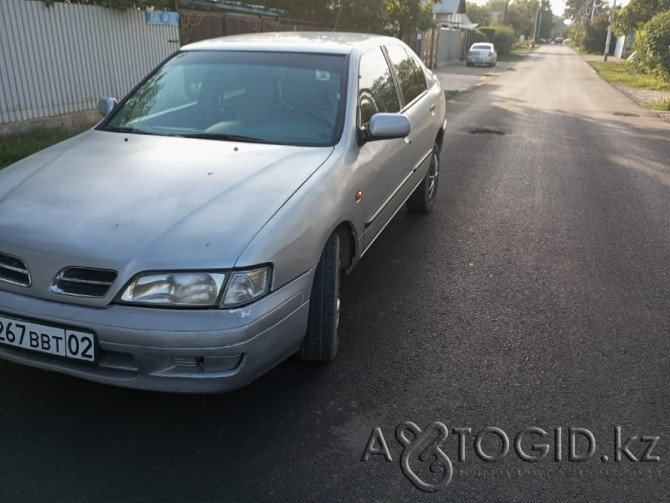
609	31
537	28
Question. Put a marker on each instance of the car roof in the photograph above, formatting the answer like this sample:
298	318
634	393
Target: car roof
310	42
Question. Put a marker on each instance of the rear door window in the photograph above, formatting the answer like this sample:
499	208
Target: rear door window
411	78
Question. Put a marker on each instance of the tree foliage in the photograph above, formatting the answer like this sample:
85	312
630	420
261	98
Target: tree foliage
395	17
590	36
407	16
580	11
123	4
634	15
480	14
478	36
522	16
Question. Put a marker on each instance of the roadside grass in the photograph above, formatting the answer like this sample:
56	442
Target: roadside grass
517	54
662	104
615	73
15	147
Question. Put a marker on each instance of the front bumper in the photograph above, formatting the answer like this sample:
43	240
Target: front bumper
184	351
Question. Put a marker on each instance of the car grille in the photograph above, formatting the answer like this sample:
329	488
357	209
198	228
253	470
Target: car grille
13	270
83	282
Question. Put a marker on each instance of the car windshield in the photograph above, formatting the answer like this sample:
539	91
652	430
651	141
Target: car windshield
259	97
481	47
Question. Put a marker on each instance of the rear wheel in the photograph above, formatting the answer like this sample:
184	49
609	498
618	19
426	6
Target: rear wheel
320	343
423	197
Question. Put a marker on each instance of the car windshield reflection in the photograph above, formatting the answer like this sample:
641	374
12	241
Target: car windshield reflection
277	98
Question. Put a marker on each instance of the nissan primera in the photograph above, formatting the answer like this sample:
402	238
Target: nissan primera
195	237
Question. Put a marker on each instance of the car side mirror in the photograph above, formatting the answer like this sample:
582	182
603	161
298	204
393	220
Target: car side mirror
384	127
106	105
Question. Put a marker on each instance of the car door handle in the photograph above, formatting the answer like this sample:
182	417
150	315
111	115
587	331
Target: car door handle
432	109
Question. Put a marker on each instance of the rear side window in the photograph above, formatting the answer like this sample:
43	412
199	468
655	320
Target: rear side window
376	90
410	75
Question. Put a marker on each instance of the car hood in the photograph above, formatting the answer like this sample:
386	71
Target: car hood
136	202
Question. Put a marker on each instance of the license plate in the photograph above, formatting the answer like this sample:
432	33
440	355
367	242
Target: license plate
32	336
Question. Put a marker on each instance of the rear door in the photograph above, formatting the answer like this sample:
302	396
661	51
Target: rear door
418	106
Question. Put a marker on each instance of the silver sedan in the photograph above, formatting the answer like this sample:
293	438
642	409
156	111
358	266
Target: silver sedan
482	53
195	238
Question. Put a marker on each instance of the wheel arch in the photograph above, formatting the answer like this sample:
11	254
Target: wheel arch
349	245
439	138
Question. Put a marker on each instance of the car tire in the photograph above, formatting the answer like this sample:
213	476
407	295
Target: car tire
423	197
321	340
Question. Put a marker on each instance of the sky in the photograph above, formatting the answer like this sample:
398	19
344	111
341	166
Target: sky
557	7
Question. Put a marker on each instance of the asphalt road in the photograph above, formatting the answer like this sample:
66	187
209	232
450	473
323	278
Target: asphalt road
535	299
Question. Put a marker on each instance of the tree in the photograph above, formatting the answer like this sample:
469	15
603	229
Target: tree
580	10
590	36
634	15
352	15
393	17
547	20
482	15
523	15
408	16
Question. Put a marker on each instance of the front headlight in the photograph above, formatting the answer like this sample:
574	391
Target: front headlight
197	289
175	289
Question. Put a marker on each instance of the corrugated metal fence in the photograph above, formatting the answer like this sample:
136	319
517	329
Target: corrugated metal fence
60	59
449	45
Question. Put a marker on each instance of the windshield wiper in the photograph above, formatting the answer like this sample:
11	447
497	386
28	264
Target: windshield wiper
230	137
125	129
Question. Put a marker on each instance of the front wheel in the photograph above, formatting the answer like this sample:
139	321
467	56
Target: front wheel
423	197
320	342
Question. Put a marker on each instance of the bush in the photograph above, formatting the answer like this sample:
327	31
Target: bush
632	63
489	32
652	46
502	37
478	36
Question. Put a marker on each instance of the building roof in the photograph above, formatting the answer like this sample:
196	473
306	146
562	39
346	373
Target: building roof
449	7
